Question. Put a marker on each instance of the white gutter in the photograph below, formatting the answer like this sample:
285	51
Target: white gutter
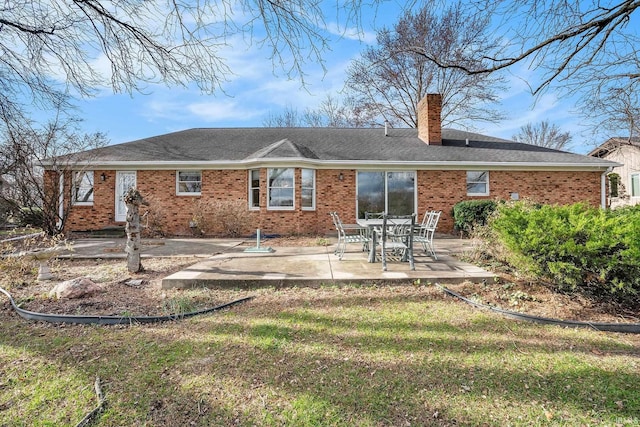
344	164
60	201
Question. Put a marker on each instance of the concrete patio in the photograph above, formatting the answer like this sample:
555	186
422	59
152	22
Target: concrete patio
226	263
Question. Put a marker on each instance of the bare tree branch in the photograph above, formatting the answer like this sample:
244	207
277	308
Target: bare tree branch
544	134
331	112
58	46
25	147
615	110
566	38
389	79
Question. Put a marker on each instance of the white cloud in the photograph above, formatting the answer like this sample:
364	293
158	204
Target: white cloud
222	111
540	110
184	108
351	33
245	60
161	109
523	109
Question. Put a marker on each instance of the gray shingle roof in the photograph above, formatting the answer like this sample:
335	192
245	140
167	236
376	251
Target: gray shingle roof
283	149
327	145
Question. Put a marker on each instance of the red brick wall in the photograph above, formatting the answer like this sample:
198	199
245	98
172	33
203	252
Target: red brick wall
429	119
438	190
101	213
441	190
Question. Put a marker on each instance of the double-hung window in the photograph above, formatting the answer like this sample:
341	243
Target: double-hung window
308	189
280	188
477	183
390	191
188	183
254	189
82	188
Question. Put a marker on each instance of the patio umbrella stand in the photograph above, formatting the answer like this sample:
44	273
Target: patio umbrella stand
257	247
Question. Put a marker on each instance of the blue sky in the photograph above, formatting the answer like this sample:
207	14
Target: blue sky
257	89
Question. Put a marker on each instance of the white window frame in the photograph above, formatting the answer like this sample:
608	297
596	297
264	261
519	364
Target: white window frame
270	189
631	176
77	183
178	182
254	204
312	188
485	182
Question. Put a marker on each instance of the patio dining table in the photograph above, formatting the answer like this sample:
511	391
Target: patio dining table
374	224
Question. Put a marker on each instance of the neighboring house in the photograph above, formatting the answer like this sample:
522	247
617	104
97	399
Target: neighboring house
291	178
624	179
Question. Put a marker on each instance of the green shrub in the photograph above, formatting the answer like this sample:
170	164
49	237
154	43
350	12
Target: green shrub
471	213
575	247
614	184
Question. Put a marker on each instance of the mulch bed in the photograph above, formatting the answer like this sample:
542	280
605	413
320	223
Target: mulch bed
149	299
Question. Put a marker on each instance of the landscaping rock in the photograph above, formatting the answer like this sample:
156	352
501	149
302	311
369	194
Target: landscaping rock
80	287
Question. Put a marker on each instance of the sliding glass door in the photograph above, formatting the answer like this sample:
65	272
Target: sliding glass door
390	191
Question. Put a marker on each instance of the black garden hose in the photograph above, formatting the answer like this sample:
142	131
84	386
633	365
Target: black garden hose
628	328
112	320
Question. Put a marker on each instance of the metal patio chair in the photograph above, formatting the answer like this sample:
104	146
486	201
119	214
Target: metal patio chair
397	238
426	231
349	233
373	215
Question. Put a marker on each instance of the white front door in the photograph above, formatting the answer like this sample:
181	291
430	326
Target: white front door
124	181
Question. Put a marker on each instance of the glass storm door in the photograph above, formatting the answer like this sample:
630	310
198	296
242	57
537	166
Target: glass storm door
124	181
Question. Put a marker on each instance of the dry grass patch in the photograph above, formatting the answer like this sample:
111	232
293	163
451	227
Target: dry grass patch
340	356
363	356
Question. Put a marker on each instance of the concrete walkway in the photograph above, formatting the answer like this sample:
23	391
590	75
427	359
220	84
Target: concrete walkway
226	263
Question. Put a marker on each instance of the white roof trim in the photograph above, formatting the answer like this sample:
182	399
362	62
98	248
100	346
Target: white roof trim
346	164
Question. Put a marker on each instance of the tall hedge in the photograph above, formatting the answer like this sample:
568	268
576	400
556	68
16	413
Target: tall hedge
576	247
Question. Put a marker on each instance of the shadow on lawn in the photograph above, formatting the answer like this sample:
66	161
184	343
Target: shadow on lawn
348	360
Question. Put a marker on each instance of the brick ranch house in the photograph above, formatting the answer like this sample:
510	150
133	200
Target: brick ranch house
289	179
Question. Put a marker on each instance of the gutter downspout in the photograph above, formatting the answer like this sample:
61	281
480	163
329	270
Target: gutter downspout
603	187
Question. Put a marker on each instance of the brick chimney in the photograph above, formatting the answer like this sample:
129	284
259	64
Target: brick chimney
429	122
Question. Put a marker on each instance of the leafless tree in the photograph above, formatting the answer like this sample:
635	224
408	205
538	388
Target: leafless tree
331	112
389	80
577	44
544	134
345	112
52	51
615	110
288	118
25	147
127	44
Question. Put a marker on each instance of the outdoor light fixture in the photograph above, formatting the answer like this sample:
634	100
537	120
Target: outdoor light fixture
103	177
340	177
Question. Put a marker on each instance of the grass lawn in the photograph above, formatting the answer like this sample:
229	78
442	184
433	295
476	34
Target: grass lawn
374	356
